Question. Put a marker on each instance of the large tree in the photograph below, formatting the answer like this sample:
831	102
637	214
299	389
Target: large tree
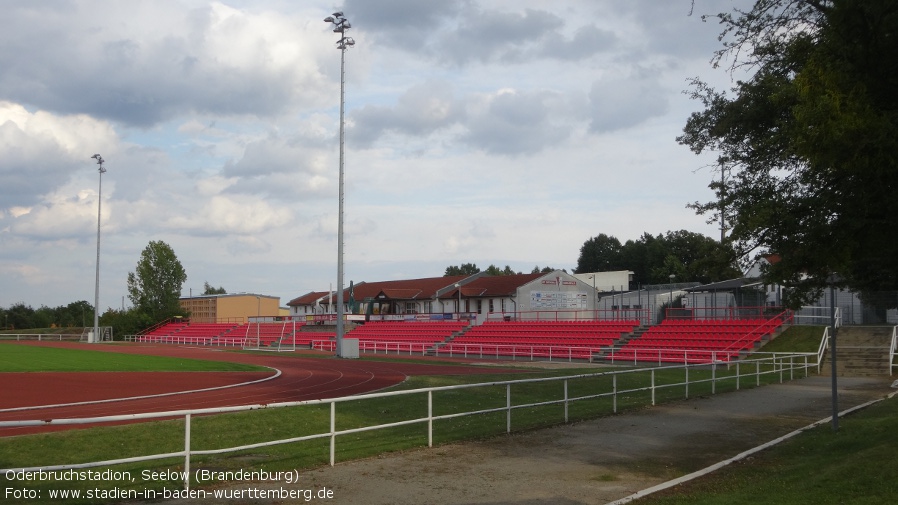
653	259
209	289
155	286
601	253
463	269
809	141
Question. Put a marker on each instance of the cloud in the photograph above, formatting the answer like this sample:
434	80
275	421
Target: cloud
462	32
282	167
511	122
40	151
146	62
229	215
421	110
618	103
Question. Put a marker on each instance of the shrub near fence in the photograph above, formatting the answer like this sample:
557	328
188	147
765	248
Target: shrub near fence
452	412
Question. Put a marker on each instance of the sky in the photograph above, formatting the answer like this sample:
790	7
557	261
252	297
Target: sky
477	131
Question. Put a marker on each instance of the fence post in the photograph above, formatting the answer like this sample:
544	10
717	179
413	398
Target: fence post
737	376
429	418
333	430
614	391
686	366
565	402
508	407
653	387
713	377
187	452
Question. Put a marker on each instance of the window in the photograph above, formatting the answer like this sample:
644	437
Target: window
411	308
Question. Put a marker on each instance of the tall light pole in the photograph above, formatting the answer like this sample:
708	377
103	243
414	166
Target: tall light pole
341	24
102	170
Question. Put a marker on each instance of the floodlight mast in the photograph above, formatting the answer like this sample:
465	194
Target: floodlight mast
341	24
102	170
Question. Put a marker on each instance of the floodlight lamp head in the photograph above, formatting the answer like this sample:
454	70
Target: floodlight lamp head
97	157
328	19
338	14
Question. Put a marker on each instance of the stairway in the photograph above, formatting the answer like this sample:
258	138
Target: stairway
861	351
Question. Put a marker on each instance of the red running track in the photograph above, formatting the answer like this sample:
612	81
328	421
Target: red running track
301	378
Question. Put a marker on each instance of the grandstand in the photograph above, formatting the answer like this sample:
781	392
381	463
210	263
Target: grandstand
539	339
696	341
674	340
400	336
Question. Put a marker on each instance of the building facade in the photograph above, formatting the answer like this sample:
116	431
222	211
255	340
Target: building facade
230	308
480	297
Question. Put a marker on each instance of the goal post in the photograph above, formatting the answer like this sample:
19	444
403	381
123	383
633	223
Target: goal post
270	333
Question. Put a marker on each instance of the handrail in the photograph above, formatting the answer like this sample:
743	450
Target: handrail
893	350
38	336
824	343
780	365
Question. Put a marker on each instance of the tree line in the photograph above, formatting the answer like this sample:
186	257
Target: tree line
688	256
154	288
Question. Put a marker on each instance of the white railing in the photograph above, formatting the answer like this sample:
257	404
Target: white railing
529	352
818	316
40	336
893	350
743	370
184	340
824	345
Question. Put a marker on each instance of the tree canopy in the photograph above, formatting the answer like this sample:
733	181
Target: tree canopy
809	140
155	286
653	259
208	289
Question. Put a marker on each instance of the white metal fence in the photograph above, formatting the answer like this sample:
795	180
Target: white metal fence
893	350
785	366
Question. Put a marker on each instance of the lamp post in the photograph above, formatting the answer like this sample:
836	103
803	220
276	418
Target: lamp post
341	24
102	170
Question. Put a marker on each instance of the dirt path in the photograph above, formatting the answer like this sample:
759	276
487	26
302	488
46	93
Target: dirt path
592	462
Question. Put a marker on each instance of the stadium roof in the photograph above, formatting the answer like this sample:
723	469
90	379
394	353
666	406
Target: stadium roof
471	286
497	285
407	289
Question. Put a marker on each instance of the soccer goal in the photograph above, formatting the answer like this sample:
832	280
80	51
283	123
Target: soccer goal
103	335
270	333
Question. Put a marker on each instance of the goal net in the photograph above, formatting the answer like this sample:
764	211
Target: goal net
270	333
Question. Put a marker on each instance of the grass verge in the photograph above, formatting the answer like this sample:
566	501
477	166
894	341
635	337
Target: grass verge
30	358
852	465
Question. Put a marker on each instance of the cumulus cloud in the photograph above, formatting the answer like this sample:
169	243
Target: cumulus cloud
280	167
511	122
619	103
232	215
40	151
144	62
421	110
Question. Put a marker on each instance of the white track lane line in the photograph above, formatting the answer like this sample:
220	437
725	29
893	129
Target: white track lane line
159	395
